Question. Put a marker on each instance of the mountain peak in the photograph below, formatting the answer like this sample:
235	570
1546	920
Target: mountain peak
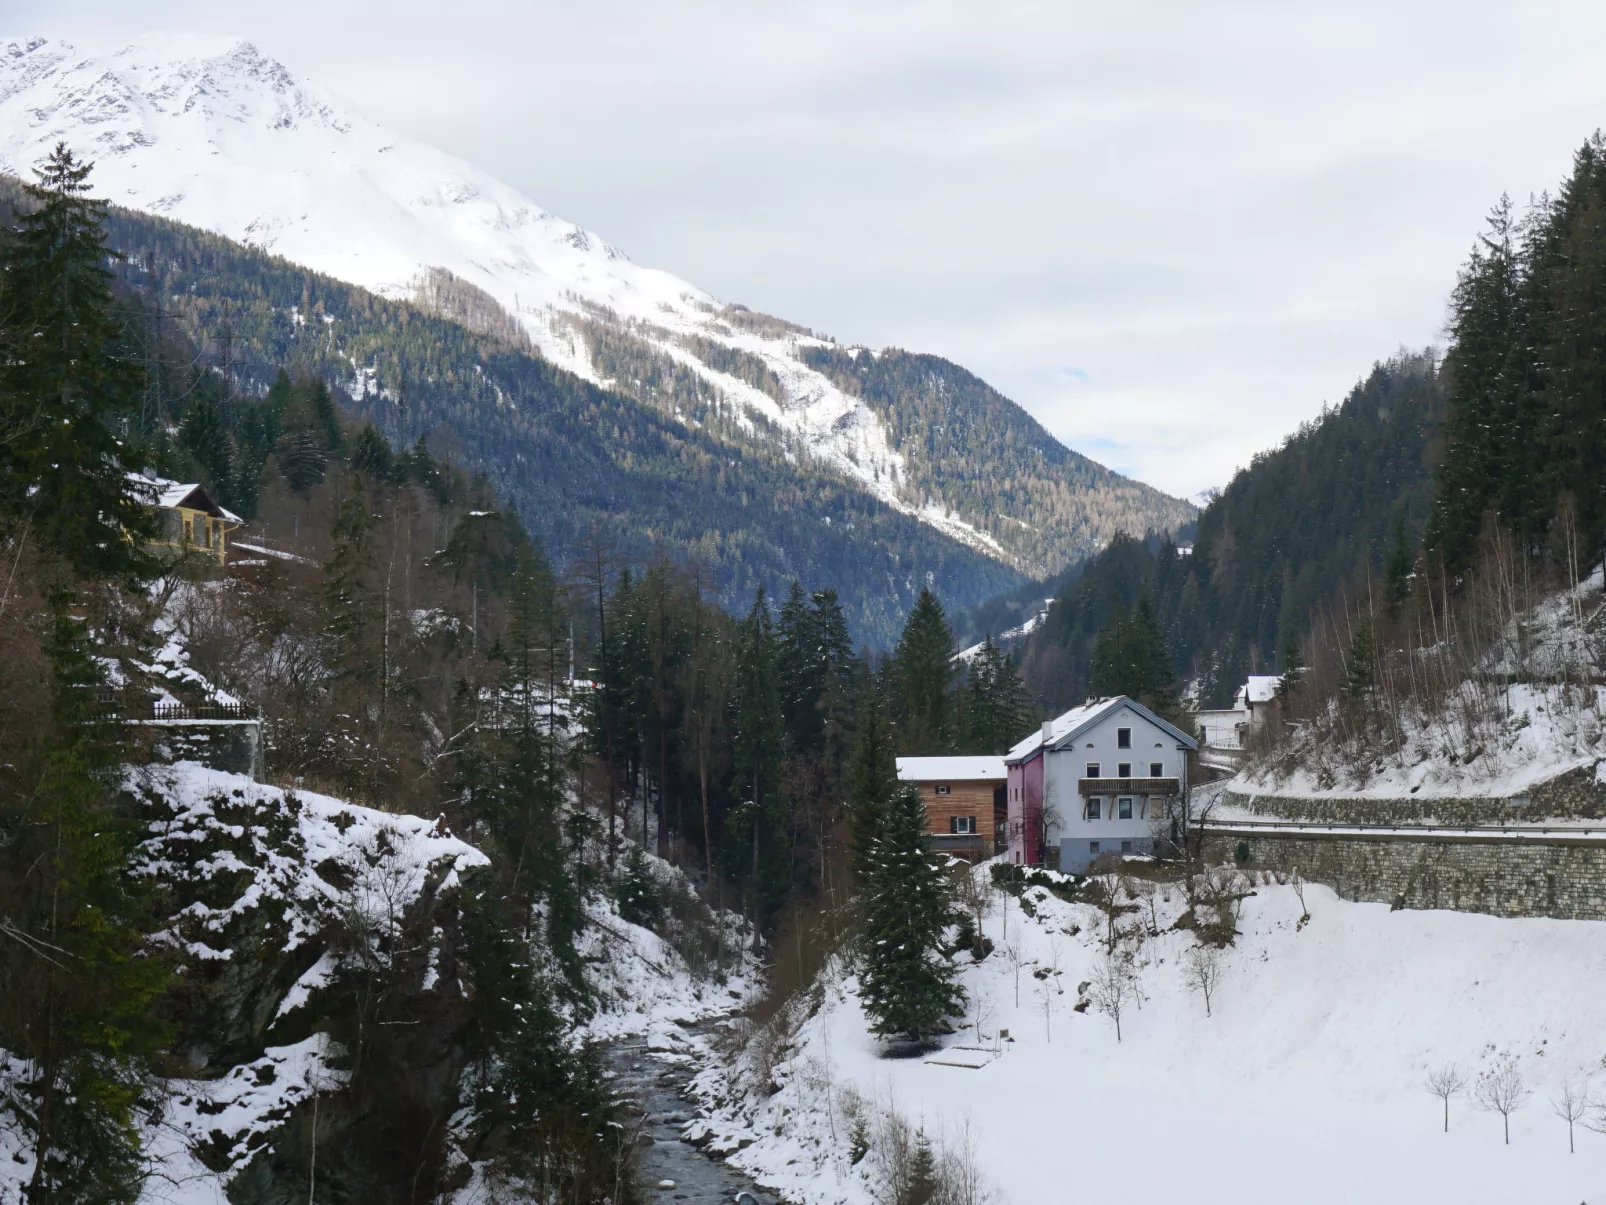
213	132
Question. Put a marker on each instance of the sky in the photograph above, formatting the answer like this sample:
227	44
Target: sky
1172	232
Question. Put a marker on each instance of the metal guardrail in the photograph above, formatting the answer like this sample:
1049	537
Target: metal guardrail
1482	831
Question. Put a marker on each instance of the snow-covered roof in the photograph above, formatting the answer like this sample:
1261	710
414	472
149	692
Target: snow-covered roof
1072	723
166	494
1260	688
951	769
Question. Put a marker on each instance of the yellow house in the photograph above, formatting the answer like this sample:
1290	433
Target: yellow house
191	520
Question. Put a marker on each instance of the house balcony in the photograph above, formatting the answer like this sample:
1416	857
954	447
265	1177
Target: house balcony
1128	786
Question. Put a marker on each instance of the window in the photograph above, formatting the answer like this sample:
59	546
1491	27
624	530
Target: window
1093	847
962	825
1124	808
1092	769
1157	769
1126	847
943	789
1123	769
1095	806
1123	738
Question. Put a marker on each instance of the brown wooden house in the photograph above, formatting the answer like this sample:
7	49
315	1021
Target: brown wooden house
964	798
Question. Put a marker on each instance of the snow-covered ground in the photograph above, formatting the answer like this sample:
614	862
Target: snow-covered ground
1524	735
1305	1085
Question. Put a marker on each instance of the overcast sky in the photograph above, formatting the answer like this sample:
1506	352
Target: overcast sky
1170	231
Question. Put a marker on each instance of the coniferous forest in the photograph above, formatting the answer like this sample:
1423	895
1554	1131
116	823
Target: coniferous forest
410	648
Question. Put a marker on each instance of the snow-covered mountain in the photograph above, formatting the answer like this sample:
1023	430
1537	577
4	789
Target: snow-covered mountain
213	133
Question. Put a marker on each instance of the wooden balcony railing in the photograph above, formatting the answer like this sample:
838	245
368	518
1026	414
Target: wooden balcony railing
1129	786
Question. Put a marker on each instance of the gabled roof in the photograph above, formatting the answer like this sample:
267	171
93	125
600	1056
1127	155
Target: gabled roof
168	495
1260	688
952	769
1064	729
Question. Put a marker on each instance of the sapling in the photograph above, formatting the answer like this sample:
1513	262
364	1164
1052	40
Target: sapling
1113	987
1571	1106
1015	957
1445	1082
1203	969
1501	1090
1048	990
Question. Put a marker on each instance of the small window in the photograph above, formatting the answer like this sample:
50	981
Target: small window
943	789
1124	808
1095	808
1123	738
1126	847
1156	769
1092	769
962	825
1123	769
1093	847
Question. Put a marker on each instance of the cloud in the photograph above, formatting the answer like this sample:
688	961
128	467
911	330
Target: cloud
1221	214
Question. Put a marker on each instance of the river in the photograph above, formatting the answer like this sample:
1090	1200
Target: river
658	1087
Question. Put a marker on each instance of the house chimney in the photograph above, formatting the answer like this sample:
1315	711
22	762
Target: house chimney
1048	731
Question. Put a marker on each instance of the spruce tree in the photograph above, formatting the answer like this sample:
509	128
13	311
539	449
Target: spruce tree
75	970
924	674
872	777
906	981
997	711
70	393
757	748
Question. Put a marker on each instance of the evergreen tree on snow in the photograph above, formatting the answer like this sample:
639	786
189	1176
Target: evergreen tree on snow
905	980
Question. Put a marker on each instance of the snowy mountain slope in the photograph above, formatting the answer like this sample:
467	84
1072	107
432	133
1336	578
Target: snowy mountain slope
1305	1084
214	133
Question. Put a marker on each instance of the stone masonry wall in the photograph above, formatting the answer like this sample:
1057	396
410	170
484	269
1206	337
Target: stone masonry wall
1516	877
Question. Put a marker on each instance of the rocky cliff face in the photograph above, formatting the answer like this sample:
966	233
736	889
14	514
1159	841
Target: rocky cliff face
316	943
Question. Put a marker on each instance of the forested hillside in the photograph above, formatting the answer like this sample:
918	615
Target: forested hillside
972	447
582	466
1341	495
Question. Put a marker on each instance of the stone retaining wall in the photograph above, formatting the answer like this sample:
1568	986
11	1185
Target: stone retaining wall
1515	877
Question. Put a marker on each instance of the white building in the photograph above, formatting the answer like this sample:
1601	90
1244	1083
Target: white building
1103	778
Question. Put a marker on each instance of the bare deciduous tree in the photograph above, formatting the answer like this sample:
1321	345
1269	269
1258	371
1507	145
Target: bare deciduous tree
1297	882
1570	1106
1113	987
1146	890
1501	1090
1203	971
1445	1082
1048	991
1016	959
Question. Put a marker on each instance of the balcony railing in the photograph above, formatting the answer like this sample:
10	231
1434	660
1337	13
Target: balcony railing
197	711
1129	786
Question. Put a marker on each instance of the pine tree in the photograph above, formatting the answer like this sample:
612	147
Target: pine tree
70	396
758	736
905	980
872	777
997	712
923	673
1130	659
1397	570
922	1184
1360	663
84	986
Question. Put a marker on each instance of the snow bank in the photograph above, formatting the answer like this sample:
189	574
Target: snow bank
1305	1085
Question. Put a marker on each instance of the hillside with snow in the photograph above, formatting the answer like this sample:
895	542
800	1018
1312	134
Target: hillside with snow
214	133
1305	1082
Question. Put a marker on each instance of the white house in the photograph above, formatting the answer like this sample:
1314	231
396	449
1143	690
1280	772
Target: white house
1255	697
1100	779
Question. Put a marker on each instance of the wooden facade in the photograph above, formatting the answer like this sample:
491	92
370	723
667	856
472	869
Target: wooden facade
964	800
